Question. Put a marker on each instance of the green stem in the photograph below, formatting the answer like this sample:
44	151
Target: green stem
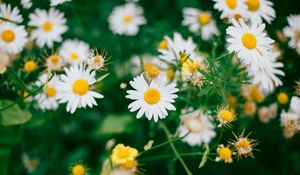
177	155
16	77
168	156
188	102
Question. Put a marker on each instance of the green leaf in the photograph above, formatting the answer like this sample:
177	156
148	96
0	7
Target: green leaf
205	156
13	115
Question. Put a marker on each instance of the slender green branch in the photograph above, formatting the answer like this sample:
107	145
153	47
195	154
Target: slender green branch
169	156
177	155
16	77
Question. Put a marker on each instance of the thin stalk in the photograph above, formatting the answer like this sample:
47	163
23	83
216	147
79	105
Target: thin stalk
169	156
16	77
177	155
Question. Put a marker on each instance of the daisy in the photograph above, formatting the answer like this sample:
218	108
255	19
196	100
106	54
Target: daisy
121	154
9	13
78	169
26	4
191	66
178	49
295	104
54	62
75	88
266	77
231	9
152	99
200	22
49	26
74	51
96	60
47	99
126	19
13	38
224	154
290	120
259	10
243	145
196	129
57	2
293	30
251	43
140	63
282	98
225	117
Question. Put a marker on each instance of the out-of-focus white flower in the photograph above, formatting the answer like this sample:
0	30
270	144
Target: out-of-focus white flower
54	62
293	31
197	128
178	49
49	26
4	61
13	38
74	51
200	22
26	4
259	10
47	99
265	114
75	88
10	13
152	99
57	2
126	19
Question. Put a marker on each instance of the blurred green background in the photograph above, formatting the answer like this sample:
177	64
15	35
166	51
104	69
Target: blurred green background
56	139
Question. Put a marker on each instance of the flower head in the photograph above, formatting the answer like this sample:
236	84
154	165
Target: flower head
121	154
224	154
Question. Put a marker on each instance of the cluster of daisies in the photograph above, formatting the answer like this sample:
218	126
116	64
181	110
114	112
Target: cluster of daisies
67	75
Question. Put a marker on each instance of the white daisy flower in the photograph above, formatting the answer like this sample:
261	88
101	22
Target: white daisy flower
178	49
54	62
50	26
152	99
293	30
75	88
126	19
231	9
26	4
200	22
251	43
197	128
290	120
138	63
96	60
295	105
10	13
13	38
57	2
74	51
47	99
259	10
266	76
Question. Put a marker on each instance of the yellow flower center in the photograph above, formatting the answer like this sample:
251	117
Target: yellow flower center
152	71
127	19
129	164
253	5
74	56
170	73
204	18
152	96
47	26
282	98
237	16
257	95
249	107
80	87
97	58
8	36
78	170
231	3
50	91
163	44
226	115
224	153
249	40
243	143
30	66
123	153
54	58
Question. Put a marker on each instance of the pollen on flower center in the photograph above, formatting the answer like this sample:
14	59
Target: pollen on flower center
30	66
47	26
282	98
152	71
152	96
8	36
249	40
243	143
50	91
123	153
253	5
54	58
231	3
163	44
97	58
74	56
129	164
78	170
224	153
204	18
127	19
80	87
226	115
